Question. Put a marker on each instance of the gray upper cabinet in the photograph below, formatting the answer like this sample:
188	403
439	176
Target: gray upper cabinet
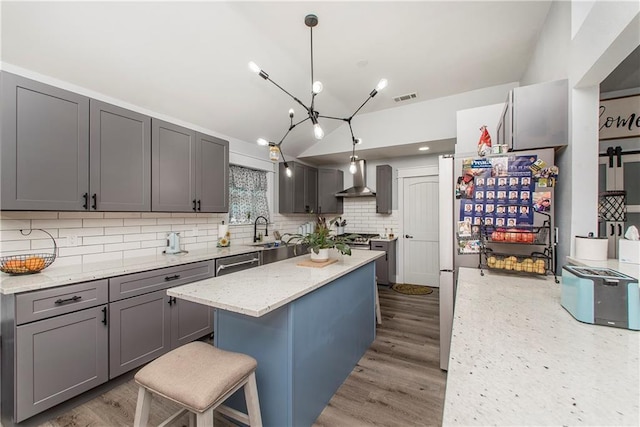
190	170
212	174
44	148
384	181
173	160
299	192
120	159
330	181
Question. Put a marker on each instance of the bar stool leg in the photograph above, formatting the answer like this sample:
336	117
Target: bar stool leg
205	419
142	408
253	404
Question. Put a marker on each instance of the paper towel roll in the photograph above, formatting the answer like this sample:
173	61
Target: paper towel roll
222	230
592	248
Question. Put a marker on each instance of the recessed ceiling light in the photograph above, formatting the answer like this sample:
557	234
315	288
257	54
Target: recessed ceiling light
423	148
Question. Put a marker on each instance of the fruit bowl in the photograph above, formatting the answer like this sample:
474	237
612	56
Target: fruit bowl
28	263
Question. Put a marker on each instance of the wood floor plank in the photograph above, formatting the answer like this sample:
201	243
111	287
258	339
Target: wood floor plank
398	382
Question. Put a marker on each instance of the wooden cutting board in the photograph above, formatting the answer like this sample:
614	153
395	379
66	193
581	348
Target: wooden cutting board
309	263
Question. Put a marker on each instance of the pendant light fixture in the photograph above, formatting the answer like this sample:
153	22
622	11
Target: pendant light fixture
311	113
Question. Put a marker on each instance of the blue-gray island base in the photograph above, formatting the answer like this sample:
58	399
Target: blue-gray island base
305	349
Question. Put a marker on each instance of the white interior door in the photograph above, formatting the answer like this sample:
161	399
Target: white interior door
420	223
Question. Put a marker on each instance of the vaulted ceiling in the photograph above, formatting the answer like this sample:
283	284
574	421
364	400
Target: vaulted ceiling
189	60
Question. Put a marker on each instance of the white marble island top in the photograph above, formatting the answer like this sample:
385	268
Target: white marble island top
260	290
518	358
56	276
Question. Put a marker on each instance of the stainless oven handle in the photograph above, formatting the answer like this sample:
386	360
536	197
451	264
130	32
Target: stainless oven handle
235	264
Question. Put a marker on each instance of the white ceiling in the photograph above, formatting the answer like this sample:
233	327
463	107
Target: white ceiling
189	60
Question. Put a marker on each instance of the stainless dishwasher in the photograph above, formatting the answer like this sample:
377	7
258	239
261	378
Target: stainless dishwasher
231	264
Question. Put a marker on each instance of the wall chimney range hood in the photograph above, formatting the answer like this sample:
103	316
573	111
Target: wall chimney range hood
359	188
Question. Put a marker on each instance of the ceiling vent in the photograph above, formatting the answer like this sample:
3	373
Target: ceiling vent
412	95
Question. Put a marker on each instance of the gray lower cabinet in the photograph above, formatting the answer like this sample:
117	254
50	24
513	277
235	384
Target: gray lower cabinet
139	331
44	146
54	346
146	323
298	193
384	182
190	170
385	266
330	181
120	159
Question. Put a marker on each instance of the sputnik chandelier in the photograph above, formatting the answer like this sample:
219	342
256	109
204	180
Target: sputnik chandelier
312	114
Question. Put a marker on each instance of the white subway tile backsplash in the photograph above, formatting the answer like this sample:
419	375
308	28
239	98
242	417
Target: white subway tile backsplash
66	261
15	245
102	257
154	228
15	224
91	231
46	245
170	221
122	230
139	237
28	215
140	221
112	222
122	214
80	215
121	246
98	240
156	215
56	223
159	243
139	253
81	250
195	246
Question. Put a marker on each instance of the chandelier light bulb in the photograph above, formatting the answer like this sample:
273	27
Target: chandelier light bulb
288	171
358	141
382	84
317	87
317	131
274	153
352	167
291	113
262	141
254	67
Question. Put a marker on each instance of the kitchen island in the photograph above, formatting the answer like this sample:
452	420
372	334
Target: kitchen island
518	358
307	327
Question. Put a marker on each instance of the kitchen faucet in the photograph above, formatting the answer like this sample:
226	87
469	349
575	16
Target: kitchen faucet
255	228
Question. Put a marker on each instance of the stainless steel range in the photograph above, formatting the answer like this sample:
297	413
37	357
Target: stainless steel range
363	241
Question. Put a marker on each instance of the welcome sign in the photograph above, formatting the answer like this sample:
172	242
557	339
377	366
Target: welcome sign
620	117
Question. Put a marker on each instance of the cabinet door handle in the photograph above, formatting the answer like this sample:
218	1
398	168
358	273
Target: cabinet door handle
85	205
172	300
613	230
194	205
66	300
170	278
406	236
619	229
104	315
94	205
199	205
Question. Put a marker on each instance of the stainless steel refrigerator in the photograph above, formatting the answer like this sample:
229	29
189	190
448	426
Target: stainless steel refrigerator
450	168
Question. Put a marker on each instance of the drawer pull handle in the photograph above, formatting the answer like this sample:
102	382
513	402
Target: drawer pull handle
66	300
172	300
170	278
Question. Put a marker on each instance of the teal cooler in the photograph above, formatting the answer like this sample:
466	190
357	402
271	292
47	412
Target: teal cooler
601	296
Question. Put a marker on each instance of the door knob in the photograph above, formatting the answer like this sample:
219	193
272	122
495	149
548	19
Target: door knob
408	237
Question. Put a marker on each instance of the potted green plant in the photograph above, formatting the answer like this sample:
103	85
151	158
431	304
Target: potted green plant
320	240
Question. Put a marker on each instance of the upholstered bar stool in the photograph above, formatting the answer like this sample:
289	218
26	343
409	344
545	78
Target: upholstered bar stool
199	377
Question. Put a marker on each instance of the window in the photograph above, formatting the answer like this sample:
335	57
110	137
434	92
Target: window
247	195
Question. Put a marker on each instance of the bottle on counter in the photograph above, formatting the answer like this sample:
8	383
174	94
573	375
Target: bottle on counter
390	235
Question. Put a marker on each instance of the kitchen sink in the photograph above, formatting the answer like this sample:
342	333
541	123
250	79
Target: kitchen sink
272	253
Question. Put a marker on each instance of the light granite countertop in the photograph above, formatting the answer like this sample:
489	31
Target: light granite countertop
258	291
56	276
627	268
518	358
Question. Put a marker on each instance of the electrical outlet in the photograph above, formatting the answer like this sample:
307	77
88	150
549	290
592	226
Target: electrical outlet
72	240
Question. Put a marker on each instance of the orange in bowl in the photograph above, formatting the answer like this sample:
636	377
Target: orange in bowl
34	263
15	265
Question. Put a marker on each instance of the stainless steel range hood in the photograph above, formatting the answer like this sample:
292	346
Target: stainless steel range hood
359	188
